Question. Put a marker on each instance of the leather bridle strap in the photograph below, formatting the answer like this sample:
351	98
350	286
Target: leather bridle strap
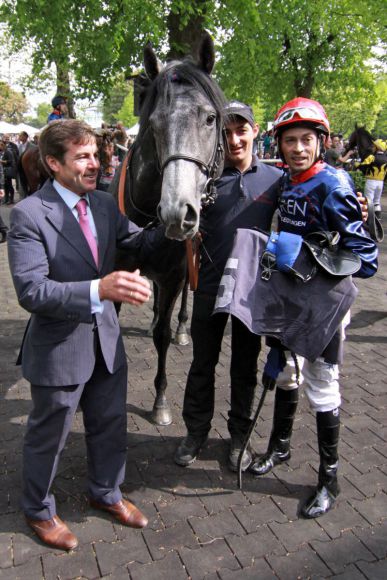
199	162
193	258
121	183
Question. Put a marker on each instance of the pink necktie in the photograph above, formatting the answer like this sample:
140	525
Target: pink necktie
85	227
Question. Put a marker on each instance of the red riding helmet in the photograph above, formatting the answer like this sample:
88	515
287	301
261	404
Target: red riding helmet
301	110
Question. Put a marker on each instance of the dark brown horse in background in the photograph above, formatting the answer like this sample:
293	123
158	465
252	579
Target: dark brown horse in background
31	170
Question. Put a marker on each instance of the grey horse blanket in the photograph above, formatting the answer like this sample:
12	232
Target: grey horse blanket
304	316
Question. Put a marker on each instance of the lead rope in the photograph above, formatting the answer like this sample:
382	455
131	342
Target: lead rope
193	259
121	183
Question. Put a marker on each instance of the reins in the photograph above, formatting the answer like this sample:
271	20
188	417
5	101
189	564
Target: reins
121	183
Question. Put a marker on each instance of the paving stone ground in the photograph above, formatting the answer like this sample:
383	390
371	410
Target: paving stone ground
200	525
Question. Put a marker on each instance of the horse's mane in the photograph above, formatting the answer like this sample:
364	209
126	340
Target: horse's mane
184	72
362	139
362	131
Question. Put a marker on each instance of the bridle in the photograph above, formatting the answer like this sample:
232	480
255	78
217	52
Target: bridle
208	197
211	168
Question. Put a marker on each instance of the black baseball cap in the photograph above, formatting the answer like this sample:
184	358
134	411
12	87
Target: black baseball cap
241	110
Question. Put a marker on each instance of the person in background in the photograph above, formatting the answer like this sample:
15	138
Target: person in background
108	164
59	109
3	227
8	161
374	167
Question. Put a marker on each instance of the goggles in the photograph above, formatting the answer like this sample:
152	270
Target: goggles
307	113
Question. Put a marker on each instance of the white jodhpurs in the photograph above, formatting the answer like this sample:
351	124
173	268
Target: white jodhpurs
321	383
319	379
373	191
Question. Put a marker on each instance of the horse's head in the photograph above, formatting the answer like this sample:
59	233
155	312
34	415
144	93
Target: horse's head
362	140
183	114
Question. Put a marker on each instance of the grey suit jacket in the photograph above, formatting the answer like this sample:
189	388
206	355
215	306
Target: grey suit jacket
52	268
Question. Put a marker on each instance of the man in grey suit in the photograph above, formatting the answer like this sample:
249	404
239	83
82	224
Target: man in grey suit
62	255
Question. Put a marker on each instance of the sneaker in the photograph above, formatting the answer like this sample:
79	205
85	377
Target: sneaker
188	449
235	449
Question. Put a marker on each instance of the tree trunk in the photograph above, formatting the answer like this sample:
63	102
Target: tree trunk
63	87
303	87
185	38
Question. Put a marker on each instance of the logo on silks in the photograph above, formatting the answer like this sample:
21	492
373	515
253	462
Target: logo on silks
227	284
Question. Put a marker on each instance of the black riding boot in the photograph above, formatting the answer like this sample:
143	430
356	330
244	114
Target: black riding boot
328	428
3	234
285	407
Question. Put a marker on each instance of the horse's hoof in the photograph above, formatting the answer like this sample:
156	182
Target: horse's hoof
161	416
182	339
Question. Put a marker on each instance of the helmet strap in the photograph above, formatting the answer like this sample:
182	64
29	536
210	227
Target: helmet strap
322	150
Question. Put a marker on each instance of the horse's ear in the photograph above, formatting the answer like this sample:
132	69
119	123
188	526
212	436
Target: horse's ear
206	53
152	64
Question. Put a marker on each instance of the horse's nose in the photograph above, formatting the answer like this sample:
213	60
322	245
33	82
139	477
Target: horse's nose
191	216
180	224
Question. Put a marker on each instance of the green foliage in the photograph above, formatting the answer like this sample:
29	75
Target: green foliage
358	179
364	105
268	51
91	40
283	48
126	112
13	105
113	102
42	112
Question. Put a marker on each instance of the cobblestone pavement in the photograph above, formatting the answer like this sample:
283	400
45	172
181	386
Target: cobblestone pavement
200	525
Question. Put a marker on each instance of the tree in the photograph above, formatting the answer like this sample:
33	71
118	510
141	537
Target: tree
273	50
126	112
86	42
286	48
13	105
42	112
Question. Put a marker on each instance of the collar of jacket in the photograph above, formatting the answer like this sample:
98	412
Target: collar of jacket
305	175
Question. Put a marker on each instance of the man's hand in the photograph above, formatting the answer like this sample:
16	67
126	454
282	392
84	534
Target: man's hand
363	204
2	193
124	286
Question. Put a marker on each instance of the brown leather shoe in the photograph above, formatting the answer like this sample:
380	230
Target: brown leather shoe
123	511
54	533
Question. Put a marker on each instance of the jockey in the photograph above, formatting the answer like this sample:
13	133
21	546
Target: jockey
59	105
314	197
374	167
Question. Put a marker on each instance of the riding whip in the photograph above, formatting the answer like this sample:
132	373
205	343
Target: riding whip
275	363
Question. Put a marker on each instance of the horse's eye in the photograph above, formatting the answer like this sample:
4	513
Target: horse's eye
210	119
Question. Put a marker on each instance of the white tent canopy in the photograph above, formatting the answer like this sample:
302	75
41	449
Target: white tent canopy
7	127
133	131
15	129
27	128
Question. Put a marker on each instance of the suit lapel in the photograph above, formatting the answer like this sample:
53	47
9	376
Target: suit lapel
63	220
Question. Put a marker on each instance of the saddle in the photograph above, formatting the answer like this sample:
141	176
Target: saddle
302	257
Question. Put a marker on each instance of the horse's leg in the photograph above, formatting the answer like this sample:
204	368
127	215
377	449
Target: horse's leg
181	336
161	413
155	309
